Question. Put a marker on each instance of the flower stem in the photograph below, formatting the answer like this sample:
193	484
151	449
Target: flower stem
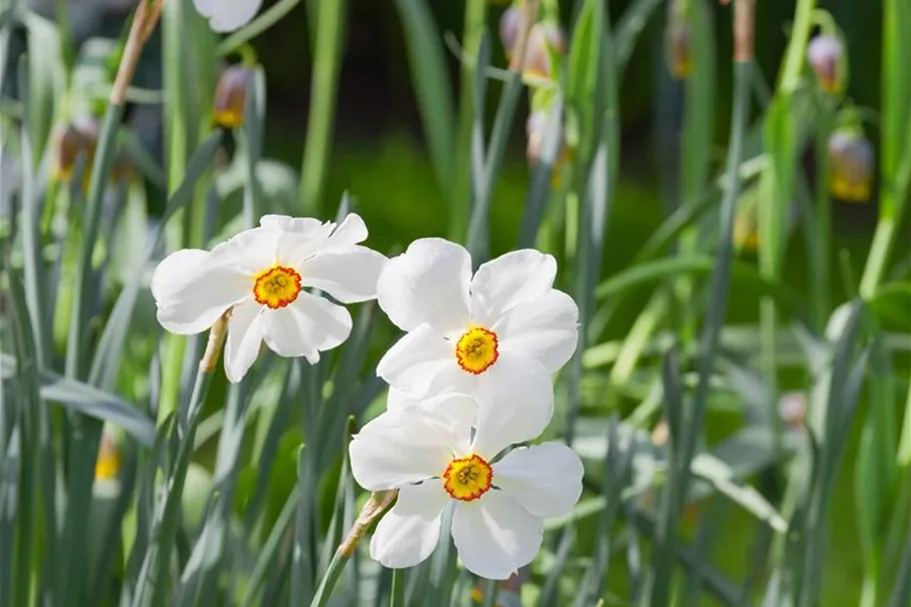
326	64
397	598
371	511
155	569
253	29
336	566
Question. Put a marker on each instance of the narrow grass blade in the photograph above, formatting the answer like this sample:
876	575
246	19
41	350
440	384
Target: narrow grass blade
682	431
302	564
263	21
269	549
657	271
542	176
88	400
106	361
502	126
895	142
629	27
327	59
432	89
21	482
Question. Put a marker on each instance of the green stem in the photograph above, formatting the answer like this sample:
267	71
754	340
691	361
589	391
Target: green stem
104	157
330	579
717	306
460	205
895	148
399	582
256	27
154	575
326	63
823	219
176	134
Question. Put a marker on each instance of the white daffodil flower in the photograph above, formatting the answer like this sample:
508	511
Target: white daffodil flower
505	325
260	275
499	504
227	15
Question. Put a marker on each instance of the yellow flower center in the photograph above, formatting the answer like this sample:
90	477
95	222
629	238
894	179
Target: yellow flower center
277	287
477	350
467	478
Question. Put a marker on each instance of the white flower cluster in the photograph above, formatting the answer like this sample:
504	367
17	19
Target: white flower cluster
470	381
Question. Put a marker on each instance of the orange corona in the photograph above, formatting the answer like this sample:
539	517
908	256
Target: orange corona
467	478
477	350
277	287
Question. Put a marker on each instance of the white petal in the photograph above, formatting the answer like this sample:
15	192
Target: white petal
509	280
348	274
350	232
408	533
401	448
298	225
252	250
228	15
460	408
306	327
546	329
495	536
396	400
546	479
191	290
206	7
245	336
515	403
428	283
413	361
298	239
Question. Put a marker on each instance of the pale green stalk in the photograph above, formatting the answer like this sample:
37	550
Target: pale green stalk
461	201
330	579
264	21
326	65
895	148
177	146
777	188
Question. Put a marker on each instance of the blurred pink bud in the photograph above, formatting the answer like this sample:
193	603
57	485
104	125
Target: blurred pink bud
824	53
231	96
850	166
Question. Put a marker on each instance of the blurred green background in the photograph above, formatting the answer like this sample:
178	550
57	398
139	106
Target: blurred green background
378	158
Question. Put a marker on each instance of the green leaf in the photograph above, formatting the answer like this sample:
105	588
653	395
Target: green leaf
431	82
88	400
652	272
269	550
109	352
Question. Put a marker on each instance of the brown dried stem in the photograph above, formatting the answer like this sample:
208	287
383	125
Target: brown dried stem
148	12
209	359
744	30
375	506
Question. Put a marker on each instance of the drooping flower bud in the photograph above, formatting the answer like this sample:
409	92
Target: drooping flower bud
512	22
108	463
792	409
746	221
679	61
850	166
825	55
544	39
536	129
231	96
70	141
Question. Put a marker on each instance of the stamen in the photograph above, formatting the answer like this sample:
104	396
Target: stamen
277	287
467	478
477	350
